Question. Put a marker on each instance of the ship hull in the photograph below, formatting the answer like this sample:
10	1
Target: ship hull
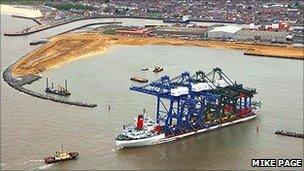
160	139
140	142
57	92
49	160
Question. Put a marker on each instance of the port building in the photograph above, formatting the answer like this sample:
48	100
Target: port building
223	32
298	34
263	36
181	31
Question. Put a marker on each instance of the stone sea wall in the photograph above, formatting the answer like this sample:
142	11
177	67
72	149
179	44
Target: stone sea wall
18	82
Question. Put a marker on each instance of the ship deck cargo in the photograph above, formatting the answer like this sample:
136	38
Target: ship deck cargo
187	105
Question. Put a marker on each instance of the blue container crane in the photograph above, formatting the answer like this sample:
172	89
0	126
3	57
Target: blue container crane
187	103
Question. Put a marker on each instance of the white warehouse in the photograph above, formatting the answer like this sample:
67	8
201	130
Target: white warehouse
223	32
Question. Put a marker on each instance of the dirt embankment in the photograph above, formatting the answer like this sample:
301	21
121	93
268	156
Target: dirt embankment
67	47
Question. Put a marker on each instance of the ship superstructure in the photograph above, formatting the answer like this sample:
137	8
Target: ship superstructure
61	155
188	105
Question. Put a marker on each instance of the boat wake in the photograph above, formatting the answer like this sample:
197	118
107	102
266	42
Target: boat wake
7	165
115	149
46	166
2	164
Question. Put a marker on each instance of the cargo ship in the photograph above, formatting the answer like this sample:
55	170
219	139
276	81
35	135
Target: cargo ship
146	132
195	104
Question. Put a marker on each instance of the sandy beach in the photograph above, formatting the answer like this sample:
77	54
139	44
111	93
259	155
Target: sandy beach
20	10
68	47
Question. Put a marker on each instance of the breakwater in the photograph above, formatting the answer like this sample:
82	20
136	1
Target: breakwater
18	83
289	133
21	33
87	25
272	56
23	17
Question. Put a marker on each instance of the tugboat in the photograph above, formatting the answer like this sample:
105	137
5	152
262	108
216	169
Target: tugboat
61	155
158	69
62	91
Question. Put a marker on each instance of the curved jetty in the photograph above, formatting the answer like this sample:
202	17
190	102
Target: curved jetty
289	133
45	27
18	82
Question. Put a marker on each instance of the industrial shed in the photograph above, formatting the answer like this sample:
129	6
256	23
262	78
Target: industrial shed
264	36
223	32
181	31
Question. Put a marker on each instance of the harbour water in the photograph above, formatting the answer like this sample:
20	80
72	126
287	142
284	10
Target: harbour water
33	128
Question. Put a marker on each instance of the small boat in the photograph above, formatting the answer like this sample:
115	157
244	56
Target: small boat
145	69
40	41
158	69
61	155
139	79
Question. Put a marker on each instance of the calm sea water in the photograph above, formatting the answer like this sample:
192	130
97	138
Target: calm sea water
32	128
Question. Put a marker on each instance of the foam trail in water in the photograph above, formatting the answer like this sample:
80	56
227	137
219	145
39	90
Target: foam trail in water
43	167
26	162
118	148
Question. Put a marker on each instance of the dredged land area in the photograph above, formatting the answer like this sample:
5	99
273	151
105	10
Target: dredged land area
64	48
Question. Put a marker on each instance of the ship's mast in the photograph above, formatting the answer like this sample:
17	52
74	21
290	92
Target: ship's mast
66	84
47	82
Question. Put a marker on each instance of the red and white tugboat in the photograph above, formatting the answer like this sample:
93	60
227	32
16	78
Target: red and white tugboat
61	155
